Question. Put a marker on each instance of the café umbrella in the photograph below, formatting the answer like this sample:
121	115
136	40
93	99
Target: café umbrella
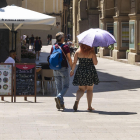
14	18
96	37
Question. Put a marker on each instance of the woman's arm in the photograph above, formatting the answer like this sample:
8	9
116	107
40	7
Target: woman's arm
74	63
69	59
94	58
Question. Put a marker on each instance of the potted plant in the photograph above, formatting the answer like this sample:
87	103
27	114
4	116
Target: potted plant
127	53
111	48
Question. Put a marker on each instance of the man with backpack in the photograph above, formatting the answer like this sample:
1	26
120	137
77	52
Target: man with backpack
58	60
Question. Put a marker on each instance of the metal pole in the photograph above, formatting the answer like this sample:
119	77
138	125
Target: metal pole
12	35
15	40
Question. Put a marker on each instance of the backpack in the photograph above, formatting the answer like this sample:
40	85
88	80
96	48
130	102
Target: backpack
56	58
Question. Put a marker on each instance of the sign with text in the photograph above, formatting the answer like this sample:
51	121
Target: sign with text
6	80
25	76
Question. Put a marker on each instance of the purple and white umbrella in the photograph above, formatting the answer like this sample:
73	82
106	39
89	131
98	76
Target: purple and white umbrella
96	37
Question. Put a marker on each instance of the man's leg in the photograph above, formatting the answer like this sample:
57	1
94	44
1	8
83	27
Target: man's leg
58	80
65	81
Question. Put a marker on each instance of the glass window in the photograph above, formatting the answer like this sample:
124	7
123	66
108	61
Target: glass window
110	28
132	34
125	34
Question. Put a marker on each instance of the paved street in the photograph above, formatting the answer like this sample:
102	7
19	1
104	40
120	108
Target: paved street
116	100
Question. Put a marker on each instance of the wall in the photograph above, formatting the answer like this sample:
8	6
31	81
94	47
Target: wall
44	6
15	2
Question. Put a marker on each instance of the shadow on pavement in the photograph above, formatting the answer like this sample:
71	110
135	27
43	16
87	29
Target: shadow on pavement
100	112
114	113
110	82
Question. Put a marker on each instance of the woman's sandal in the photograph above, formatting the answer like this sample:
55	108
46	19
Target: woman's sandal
75	106
90	109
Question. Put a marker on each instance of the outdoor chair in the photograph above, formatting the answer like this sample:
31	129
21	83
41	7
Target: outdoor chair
47	76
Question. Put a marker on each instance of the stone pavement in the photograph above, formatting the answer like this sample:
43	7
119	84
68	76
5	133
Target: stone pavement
116	100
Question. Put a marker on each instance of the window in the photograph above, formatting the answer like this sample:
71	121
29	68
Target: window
132	34
125	34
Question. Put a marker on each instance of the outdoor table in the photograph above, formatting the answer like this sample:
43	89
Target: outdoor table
43	63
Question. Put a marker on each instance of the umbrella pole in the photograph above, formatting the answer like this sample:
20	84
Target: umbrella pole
15	40
12	35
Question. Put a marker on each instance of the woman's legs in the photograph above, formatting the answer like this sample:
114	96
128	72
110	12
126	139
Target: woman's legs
79	94
37	54
89	96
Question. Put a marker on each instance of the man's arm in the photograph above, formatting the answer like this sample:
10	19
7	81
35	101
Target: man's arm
69	60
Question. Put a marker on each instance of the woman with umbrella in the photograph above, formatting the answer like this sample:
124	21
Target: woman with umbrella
86	76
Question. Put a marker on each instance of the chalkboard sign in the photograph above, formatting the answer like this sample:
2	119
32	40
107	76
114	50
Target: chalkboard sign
25	80
6	80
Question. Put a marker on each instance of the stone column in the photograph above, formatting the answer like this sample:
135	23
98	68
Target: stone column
122	9
119	51
134	46
104	51
83	16
75	13
107	12
134	25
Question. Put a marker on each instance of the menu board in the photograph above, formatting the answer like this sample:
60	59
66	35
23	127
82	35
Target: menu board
6	79
25	79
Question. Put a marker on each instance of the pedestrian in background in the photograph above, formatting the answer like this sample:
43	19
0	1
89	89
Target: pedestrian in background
86	75
24	39
32	42
48	38
37	47
62	75
40	45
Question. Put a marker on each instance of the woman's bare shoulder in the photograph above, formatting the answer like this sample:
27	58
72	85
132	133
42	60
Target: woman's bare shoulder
78	50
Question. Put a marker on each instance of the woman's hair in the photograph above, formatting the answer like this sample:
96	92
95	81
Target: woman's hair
37	38
85	49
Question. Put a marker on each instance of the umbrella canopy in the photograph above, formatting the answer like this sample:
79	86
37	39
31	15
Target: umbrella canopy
24	19
96	37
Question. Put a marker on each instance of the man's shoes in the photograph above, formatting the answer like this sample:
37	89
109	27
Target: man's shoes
75	106
58	105
62	106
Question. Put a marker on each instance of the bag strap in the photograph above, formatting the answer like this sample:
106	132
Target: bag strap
62	51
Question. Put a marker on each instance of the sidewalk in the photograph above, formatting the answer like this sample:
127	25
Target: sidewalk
116	100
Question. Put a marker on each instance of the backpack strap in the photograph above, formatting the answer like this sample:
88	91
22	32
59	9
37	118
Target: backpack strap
62	50
53	47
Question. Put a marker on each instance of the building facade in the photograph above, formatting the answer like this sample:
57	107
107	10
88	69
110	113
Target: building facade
120	17
49	7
